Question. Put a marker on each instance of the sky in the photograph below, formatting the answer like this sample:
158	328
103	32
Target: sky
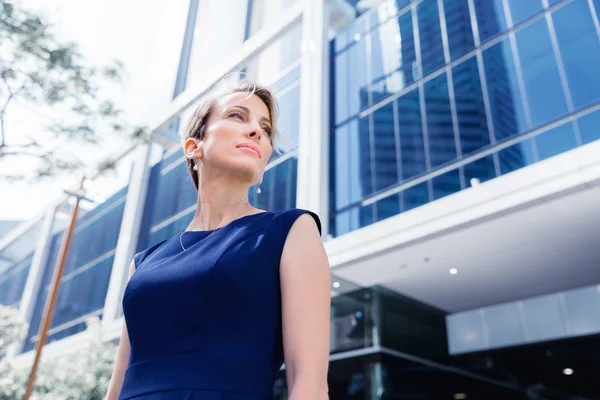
145	35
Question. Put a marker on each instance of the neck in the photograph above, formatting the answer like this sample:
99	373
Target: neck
220	201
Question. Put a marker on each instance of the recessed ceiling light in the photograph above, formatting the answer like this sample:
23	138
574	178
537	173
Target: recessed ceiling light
453	271
336	284
568	371
357	37
475	182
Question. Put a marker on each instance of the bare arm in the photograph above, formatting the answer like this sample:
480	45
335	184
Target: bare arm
118	375
306	299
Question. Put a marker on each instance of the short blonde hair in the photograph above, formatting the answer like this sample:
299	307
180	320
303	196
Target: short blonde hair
197	124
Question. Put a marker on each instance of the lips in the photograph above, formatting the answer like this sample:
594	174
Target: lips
250	146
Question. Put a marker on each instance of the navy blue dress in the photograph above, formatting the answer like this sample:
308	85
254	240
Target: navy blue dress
205	323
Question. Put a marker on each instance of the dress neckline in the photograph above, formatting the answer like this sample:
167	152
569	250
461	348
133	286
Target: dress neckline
226	225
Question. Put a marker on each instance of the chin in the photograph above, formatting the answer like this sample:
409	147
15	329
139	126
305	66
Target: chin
248	170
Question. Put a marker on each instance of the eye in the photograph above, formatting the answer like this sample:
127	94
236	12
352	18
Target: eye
268	130
236	115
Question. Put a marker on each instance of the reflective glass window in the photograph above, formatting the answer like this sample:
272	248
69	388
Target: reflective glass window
545	95
440	131
446	184
516	156
479	171
353	219
350	70
351	34
278	188
470	109
270	66
415	196
87	270
555	141
412	144
289	115
430	36
393	57
388	207
589	126
521	10
580	50
458	25
352	162
15	263
506	104
490	18
206	55
597	6
385	147
262	11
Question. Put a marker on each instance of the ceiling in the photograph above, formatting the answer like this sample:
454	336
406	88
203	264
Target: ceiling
534	250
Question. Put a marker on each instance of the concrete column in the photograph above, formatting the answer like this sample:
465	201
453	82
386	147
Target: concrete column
313	140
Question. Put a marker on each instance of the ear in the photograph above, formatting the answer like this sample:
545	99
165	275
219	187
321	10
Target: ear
194	148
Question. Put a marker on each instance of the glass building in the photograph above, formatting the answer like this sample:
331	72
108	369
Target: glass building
451	150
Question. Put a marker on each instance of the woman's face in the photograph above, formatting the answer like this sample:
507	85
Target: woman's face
237	139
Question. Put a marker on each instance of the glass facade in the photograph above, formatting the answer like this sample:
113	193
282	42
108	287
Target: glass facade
87	270
422	87
15	263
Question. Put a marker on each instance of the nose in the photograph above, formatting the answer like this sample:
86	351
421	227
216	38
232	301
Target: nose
254	131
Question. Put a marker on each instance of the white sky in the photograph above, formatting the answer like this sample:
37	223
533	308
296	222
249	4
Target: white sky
146	35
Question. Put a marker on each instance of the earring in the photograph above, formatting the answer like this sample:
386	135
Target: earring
195	168
258	191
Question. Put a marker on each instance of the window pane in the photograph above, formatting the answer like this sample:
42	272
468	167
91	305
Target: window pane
262	11
516	157
212	16
589	126
393	57
350	82
430	36
482	170
385	147
353	219
387	207
412	148
352	162
597	5
542	83
470	110
521	10
446	184
415	196
490	18
289	117
442	145
458	25
506	104
580	50
555	141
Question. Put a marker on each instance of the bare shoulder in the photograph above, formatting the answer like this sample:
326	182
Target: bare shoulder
303	235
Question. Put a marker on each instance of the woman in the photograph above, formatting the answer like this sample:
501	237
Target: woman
214	311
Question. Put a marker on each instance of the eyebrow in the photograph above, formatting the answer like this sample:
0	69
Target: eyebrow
247	110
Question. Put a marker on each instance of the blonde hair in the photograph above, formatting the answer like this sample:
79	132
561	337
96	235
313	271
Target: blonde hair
197	124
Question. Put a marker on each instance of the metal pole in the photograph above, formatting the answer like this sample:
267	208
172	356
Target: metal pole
52	296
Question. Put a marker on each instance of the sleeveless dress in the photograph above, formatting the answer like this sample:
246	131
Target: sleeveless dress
205	323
